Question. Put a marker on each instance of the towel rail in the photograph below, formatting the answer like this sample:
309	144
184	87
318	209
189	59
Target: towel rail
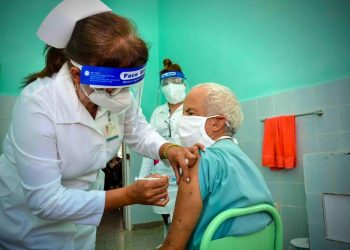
317	112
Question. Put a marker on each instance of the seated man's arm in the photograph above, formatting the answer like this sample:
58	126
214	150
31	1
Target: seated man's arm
188	208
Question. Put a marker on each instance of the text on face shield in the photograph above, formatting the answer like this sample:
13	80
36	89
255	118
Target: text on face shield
132	74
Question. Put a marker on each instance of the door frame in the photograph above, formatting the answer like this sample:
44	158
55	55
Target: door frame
126	182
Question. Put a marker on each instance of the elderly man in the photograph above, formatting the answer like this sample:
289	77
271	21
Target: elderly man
224	177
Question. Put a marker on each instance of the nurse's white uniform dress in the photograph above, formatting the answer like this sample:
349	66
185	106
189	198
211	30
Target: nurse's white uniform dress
50	170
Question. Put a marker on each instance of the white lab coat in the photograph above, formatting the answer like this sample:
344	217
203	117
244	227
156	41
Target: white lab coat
50	171
160	121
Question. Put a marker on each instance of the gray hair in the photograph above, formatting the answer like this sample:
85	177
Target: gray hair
222	101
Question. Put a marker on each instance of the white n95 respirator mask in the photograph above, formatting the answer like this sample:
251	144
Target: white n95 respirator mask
174	93
117	101
191	130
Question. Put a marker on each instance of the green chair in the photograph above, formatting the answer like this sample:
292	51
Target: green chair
269	238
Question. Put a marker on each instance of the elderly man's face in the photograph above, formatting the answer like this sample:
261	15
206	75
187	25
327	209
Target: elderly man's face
194	105
194	102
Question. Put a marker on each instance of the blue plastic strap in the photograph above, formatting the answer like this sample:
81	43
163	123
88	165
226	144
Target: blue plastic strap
172	74
104	77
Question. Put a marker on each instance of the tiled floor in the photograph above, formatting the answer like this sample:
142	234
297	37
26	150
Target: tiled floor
111	235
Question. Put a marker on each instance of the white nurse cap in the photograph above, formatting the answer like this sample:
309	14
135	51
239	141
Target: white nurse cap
57	28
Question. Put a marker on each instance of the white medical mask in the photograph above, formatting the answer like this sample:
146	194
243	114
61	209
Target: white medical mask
118	101
174	93
191	130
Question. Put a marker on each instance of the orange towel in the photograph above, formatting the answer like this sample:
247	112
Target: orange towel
279	148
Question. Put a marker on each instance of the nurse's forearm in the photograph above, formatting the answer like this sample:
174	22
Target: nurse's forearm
117	198
140	192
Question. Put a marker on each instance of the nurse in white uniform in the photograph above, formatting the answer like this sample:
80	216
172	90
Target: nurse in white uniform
68	122
164	119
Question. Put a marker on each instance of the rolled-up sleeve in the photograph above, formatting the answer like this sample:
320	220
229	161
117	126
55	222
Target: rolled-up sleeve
207	172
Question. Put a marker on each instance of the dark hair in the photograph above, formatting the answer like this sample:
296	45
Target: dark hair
54	59
170	66
105	39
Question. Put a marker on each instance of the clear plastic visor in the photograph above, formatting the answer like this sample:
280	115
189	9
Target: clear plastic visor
120	88
174	80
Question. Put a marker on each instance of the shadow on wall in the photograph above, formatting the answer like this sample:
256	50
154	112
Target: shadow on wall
6	104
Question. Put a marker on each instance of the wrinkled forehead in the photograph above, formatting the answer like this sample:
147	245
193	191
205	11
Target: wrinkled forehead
196	101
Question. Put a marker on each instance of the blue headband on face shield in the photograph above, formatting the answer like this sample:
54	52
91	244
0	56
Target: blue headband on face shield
105	77
172	74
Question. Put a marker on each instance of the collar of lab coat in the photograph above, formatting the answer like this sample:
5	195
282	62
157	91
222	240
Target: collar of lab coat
69	109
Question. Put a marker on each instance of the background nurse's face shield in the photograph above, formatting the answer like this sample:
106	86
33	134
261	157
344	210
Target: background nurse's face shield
174	77
112	81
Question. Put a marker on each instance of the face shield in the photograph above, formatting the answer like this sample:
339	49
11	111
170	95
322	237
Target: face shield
172	85
115	89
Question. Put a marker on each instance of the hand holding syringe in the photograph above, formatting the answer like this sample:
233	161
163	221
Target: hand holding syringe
151	190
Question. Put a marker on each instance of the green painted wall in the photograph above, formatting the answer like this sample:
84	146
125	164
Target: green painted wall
21	50
256	47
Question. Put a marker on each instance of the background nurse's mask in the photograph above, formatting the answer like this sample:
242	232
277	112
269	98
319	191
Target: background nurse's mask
174	93
191	130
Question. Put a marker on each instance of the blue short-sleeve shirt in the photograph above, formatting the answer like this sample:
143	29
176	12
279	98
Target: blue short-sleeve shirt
229	179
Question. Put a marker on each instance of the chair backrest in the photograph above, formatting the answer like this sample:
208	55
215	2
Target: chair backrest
269	238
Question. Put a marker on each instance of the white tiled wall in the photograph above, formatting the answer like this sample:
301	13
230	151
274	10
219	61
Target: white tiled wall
330	132
325	172
6	104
